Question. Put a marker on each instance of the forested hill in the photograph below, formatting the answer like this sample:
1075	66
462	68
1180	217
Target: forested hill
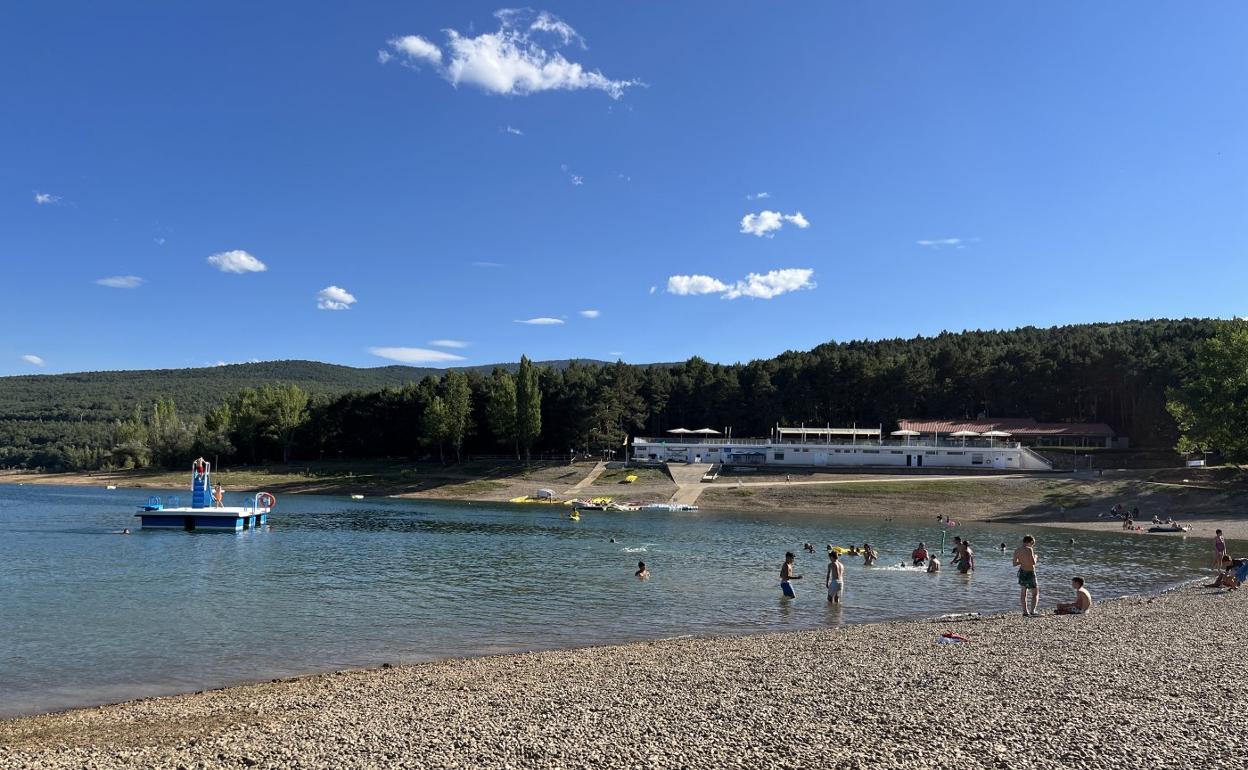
111	395
1118	373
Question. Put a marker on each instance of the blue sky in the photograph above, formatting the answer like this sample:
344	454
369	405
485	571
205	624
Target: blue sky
413	174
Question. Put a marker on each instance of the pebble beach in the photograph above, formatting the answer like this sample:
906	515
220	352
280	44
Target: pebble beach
1139	682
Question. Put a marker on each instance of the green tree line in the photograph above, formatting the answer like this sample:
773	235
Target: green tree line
1125	374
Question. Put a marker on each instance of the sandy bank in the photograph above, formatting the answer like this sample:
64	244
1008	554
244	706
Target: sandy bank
1134	684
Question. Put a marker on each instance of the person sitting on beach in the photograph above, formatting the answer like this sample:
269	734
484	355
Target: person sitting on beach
933	565
1082	602
835	579
786	575
642	573
869	555
919	555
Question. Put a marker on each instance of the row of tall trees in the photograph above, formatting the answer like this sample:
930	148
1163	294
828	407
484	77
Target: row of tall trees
1125	374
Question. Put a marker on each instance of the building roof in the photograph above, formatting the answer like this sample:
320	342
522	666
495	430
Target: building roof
1015	426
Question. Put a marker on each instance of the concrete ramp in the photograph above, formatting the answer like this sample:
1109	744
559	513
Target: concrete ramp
688	478
589	479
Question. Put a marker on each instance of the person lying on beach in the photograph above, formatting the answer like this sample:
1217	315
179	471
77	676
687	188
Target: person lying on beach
933	565
1025	559
1082	602
919	555
1224	580
1233	576
642	573
869	556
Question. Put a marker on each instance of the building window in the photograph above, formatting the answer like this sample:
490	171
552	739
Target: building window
977	458
896	451
779	455
870	451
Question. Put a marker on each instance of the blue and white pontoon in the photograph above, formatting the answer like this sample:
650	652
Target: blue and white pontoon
207	510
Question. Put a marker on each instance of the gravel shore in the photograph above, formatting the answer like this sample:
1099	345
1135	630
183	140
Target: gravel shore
1155	682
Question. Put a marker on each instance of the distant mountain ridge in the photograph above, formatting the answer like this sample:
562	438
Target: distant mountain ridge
107	395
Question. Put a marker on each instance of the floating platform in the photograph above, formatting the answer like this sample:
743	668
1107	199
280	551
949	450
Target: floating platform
206	511
210	519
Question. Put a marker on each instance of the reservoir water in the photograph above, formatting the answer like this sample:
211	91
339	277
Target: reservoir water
90	616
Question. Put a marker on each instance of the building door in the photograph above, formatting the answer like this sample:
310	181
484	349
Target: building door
909	460
919	459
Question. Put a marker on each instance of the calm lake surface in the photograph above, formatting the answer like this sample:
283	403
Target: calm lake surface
91	616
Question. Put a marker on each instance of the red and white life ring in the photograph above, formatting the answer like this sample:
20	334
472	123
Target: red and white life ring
265	500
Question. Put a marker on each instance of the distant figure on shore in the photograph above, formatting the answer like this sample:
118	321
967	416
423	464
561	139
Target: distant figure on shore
1219	549
918	556
1082	602
869	555
218	496
788	478
787	576
835	577
933	565
1025	559
643	572
965	560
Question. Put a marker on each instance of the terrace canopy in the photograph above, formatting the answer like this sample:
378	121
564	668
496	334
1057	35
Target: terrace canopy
906	433
964	435
706	431
680	430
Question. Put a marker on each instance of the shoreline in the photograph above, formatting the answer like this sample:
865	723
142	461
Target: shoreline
510	709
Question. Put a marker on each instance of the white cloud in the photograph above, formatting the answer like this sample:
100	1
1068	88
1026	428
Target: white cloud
766	223
45	199
121	282
653	289
31	358
334	298
515	131
521	57
695	284
542	321
236	261
415	48
416	355
449	343
755	285
939	242
590	313
758	196
383	56
576	179
772	283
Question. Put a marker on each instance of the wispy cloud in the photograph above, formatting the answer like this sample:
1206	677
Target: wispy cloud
758	196
236	261
576	179
121	282
940	243
766	223
755	285
415	355
542	321
34	360
46	199
590	313
514	131
449	343
521	57
334	298
487	265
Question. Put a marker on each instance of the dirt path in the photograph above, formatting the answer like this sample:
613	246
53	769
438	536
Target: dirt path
589	479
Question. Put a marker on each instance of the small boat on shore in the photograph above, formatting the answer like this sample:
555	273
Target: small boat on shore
1169	528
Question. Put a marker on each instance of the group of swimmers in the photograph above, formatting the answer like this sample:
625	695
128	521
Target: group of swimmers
1024	558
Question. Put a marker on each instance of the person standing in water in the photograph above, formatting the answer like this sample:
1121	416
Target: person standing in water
642	573
835	579
965	560
1219	549
1025	559
869	555
787	576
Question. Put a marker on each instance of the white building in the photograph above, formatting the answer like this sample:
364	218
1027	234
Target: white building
841	447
